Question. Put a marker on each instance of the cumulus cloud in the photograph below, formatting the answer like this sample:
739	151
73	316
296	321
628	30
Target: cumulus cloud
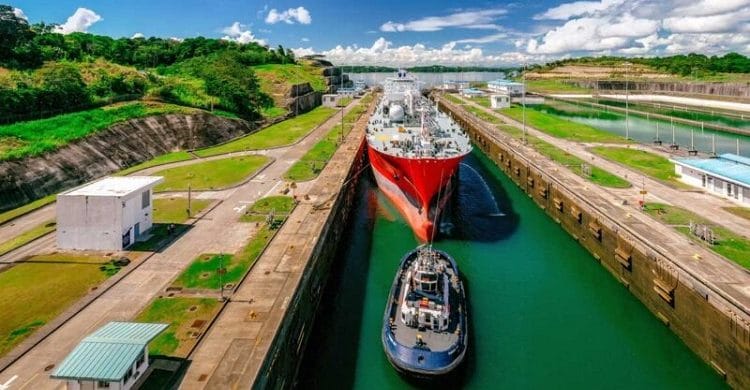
642	27
19	13
240	33
80	21
383	52
290	16
137	35
482	19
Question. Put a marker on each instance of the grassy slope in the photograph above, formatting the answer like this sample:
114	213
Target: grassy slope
34	293
36	137
210	175
729	244
280	134
160	160
273	75
554	86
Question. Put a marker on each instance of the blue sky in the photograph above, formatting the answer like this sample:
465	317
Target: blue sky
424	32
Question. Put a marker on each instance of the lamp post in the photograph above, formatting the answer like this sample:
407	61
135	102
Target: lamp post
523	103
627	93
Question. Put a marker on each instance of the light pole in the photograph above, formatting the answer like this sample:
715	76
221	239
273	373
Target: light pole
523	103
627	93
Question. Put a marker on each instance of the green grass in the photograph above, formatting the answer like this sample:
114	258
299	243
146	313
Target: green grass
598	176
739	211
278	204
174	210
562	128
33	138
273	112
280	134
554	86
203	272
309	166
27	208
36	292
27	236
343	102
270	74
482	101
175	340
161	160
728	244
453	99
210	175
650	164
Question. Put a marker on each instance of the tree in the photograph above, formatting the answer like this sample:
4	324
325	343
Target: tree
14	31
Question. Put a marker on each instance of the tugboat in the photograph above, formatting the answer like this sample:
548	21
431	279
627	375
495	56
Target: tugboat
424	326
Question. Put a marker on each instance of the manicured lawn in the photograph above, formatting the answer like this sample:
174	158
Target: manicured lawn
739	211
36	292
343	102
597	175
482	101
561	128
280	134
483	115
163	159
27	236
280	205
33	138
728	244
554	86
203	272
174	210
181	314
210	175
650	164
273	112
169	211
453	99
309	166
27	208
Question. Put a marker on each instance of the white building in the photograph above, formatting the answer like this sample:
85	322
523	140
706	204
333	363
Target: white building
500	100
505	86
471	93
108	214
455	85
330	100
115	357
727	176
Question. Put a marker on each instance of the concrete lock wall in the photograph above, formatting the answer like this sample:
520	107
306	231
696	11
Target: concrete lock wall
285	355
712	330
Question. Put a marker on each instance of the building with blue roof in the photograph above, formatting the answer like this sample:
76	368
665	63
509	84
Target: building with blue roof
727	175
471	92
113	357
506	87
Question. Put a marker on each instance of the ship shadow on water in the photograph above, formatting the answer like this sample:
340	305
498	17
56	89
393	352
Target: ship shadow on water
330	347
480	210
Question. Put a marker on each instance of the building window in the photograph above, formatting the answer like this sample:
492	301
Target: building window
102	385
141	359
145	199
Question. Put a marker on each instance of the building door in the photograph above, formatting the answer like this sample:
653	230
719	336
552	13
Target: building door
729	189
137	228
703	180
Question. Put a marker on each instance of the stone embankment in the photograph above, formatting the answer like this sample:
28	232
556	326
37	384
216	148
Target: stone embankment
107	151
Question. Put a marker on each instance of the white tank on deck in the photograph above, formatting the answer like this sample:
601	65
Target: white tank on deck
395	113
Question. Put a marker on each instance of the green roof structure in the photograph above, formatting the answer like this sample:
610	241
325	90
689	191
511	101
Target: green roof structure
108	353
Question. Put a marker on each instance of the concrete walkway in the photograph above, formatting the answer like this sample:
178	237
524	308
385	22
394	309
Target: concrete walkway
218	231
704	204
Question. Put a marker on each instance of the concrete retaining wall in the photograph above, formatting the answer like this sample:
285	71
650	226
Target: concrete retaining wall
710	324
740	90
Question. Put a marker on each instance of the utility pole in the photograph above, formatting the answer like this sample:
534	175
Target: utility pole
190	192
220	271
342	125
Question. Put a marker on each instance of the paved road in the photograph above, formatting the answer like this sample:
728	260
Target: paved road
219	230
711	206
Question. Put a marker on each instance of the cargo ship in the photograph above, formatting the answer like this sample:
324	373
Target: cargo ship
425	320
414	151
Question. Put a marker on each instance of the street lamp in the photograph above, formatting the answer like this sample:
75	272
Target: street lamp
627	120
523	103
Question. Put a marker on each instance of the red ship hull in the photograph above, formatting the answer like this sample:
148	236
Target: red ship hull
413	185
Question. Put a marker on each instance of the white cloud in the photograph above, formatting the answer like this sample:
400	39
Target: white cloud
578	8
484	39
240	33
383	52
713	23
305	39
290	16
19	13
467	19
709	7
137	35
80	21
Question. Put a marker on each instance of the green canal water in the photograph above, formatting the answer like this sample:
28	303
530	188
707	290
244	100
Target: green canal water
644	130
543	313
